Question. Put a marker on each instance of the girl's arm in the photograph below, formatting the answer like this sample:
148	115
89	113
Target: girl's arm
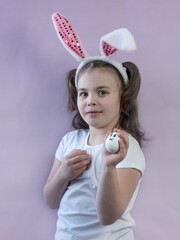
74	164
116	186
115	190
55	186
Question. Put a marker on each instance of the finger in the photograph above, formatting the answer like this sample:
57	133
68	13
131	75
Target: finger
116	129
80	165
108	133
124	136
76	155
79	158
77	163
80	171
75	152
123	149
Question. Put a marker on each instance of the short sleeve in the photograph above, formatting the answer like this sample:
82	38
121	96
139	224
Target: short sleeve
72	140
60	150
134	158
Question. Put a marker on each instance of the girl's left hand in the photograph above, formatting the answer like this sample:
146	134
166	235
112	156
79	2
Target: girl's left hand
112	159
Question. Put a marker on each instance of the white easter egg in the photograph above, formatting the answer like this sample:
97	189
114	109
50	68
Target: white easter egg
112	143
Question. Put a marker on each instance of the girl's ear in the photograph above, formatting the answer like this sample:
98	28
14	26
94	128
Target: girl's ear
120	39
68	36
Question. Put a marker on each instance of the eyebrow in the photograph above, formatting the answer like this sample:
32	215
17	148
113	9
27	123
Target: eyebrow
98	88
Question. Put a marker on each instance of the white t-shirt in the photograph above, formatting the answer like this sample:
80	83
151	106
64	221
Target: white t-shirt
77	217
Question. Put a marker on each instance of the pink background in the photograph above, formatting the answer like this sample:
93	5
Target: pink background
33	98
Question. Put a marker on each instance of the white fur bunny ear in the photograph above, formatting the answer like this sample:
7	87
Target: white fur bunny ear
120	39
68	36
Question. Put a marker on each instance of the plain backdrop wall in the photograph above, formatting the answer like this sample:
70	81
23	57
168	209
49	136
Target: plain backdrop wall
33	98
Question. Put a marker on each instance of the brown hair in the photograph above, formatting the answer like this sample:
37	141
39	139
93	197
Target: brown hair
128	119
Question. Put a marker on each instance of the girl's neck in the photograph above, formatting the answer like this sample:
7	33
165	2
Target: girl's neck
96	136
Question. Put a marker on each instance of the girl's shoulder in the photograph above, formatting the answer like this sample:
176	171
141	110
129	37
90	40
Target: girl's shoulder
72	140
76	134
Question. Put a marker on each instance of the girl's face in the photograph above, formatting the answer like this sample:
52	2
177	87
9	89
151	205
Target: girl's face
98	98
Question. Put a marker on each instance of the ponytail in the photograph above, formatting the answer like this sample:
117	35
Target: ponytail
129	109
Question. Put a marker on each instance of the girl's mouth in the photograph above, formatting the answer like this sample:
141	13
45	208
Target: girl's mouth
93	113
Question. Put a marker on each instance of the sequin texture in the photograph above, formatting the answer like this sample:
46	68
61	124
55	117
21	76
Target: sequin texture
68	34
107	49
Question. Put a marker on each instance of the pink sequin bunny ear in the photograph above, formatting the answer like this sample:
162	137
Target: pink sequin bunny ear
120	39
68	36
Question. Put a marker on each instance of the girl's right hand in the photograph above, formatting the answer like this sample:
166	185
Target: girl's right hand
75	163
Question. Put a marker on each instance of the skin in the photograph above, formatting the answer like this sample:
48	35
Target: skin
98	102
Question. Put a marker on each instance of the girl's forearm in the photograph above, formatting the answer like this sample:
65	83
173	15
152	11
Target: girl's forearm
54	189
109	202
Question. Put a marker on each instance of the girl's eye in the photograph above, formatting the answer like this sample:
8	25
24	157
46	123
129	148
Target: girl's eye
102	93
83	94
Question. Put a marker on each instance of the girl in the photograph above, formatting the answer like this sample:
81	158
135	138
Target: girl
95	190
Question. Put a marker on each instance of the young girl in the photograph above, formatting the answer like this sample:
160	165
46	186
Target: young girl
95	190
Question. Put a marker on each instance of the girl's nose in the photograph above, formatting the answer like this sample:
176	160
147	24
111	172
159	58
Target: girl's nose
91	104
91	101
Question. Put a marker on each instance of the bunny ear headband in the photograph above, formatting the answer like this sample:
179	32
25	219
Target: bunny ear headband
120	39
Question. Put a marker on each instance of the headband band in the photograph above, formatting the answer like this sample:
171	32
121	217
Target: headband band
120	39
116	64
